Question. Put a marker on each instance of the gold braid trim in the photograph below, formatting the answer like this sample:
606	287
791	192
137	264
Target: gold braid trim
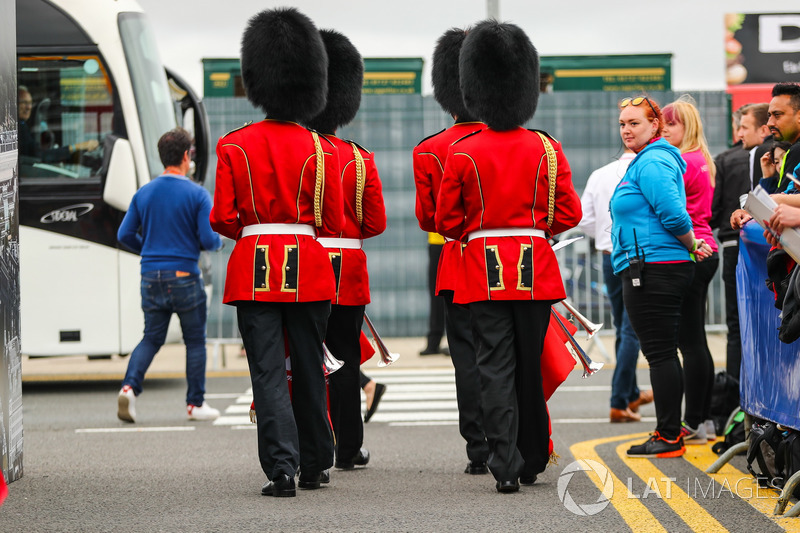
320	181
360	179
552	170
553	460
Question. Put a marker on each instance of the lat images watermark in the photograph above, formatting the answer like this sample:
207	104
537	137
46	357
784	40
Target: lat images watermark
588	466
663	488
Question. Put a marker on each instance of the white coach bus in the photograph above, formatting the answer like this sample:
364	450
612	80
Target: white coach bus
94	74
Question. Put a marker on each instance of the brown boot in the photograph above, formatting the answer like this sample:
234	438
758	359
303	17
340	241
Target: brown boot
623	415
645	397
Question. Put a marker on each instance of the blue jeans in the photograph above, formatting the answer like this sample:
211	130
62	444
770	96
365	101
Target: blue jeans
164	293
623	383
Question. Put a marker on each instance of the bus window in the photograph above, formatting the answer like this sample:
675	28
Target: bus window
65	110
153	101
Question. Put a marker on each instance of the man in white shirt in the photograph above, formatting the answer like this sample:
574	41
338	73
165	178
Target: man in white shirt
625	395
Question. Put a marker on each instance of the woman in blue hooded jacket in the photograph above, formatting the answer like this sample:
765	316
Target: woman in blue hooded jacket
654	247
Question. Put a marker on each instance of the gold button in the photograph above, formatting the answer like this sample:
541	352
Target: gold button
497	267
287	285
522	266
263	268
263	285
498	283
288	268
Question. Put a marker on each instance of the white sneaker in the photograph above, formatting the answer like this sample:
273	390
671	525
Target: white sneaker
202	412
126	404
711	430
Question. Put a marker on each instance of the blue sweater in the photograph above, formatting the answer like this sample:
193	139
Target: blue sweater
651	199
172	212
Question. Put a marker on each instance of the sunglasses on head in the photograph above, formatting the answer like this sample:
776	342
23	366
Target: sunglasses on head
637	101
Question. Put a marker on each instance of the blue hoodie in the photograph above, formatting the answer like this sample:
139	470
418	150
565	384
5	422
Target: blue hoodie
651	199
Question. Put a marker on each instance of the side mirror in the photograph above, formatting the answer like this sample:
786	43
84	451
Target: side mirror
120	182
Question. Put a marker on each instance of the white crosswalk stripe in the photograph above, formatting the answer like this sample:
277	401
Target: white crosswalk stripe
413	397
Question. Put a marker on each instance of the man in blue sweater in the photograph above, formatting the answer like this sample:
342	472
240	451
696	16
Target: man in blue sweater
168	225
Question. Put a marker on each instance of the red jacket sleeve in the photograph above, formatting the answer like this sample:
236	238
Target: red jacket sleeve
450	205
424	164
567	212
224	215
374	210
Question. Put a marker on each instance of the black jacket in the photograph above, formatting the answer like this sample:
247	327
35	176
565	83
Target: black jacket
732	181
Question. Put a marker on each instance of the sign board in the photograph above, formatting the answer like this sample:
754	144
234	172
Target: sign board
385	75
630	73
762	47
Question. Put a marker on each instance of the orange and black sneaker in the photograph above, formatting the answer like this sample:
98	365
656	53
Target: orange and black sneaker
658	446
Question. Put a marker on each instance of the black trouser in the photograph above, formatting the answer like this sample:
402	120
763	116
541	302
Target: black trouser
654	309
436	317
343	340
730	258
363	379
510	337
468	379
698	365
292	431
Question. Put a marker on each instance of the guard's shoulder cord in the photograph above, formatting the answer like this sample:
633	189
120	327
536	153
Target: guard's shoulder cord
360	180
319	185
552	171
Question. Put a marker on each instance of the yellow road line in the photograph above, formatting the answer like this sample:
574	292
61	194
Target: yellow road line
743	485
633	511
691	512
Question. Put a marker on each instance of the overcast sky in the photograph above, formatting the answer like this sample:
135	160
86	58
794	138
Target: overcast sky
691	30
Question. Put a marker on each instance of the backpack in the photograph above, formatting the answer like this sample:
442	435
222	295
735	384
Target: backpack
789	330
734	433
765	442
724	400
788	459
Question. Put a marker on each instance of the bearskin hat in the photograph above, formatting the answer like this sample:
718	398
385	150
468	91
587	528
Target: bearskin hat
345	81
284	65
444	74
499	70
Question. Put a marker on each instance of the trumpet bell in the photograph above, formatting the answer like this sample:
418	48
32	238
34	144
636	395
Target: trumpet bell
590	327
330	363
387	358
591	369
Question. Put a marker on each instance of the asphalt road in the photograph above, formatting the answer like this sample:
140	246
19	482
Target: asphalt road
84	471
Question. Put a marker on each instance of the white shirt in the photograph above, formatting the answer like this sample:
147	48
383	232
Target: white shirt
596	221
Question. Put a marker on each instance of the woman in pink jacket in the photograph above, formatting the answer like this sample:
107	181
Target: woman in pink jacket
684	130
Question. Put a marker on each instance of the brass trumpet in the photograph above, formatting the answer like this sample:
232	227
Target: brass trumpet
589	366
329	363
387	357
590	327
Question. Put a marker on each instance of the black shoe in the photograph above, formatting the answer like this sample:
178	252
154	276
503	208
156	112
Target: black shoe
282	487
476	468
658	446
507	486
361	459
527	480
325	476
380	388
430	350
310	481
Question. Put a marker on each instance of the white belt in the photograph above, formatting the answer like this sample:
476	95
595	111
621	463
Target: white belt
279	229
337	242
506	232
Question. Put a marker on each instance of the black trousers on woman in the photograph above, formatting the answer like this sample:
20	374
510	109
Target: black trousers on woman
654	310
698	365
510	336
292	432
342	339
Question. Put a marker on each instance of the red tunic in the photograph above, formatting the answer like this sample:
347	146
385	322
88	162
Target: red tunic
429	161
498	180
350	265
266	173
